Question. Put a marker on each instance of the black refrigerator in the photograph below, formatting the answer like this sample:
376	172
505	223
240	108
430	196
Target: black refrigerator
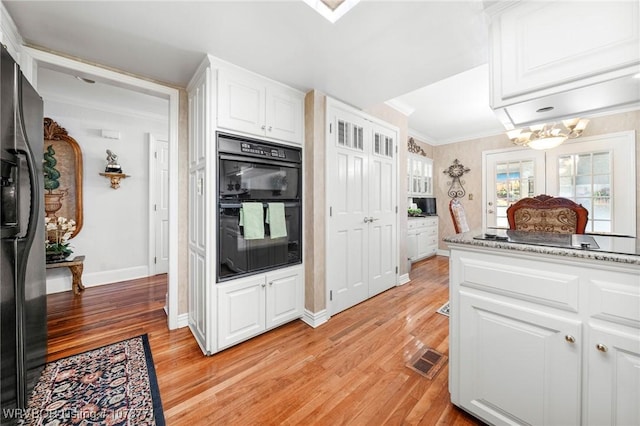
23	307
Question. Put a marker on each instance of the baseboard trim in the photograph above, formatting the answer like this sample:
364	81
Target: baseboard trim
441	252
183	320
316	319
59	279
404	279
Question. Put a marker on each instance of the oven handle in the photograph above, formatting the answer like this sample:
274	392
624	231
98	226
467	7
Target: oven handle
259	161
264	203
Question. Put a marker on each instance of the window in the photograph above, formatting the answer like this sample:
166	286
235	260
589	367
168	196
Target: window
514	180
350	135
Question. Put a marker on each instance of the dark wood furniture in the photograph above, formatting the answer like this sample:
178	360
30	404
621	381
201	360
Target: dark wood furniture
75	265
544	213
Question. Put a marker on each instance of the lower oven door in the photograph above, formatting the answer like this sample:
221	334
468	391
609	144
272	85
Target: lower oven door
238	256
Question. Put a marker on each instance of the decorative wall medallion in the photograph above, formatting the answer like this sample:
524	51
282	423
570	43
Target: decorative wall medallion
455	171
414	148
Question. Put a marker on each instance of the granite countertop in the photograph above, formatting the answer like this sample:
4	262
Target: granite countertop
588	246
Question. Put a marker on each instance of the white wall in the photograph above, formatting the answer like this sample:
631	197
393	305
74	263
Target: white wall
115	234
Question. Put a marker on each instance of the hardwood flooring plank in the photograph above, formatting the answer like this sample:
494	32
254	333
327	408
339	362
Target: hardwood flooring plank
350	370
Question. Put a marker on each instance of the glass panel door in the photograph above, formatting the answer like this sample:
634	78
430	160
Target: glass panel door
511	176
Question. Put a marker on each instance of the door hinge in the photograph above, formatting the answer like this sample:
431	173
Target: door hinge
330	127
330	295
396	270
396	149
330	211
155	155
396	209
155	259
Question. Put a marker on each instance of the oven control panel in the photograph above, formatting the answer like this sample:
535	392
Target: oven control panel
260	150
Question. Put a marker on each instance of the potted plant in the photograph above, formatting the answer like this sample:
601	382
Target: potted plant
59	230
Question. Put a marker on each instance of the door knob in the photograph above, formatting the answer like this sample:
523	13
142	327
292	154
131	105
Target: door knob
490	203
490	211
371	219
367	219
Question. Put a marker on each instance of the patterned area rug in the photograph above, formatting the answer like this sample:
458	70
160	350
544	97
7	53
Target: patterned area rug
444	309
112	385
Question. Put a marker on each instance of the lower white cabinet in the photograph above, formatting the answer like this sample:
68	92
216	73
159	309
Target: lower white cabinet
422	237
544	341
249	306
519	366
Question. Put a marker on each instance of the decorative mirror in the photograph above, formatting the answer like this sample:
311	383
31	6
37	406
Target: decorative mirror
62	167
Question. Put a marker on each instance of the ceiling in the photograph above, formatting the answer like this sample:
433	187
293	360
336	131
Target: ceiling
428	55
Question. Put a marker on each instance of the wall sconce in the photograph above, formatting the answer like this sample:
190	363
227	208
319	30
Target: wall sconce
547	136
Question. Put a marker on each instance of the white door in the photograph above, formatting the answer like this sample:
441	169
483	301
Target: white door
511	175
361	195
348	198
160	205
382	211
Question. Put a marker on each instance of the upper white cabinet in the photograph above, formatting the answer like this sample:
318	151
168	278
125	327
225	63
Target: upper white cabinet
250	104
573	57
420	176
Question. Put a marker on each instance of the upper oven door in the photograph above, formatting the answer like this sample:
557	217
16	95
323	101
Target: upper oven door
255	179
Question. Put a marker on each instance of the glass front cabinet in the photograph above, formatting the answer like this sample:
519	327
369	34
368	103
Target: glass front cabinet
419	176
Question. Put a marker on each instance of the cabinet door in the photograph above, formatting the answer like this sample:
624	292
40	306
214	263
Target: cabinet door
285	296
536	48
284	114
412	245
417	176
241	102
423	242
613	378
427	178
518	366
241	310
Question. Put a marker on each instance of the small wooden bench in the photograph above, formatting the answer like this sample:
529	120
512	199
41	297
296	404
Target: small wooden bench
76	266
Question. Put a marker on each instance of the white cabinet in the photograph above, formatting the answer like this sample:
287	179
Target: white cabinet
574	58
250	104
249	306
544	341
422	237
420	176
523	368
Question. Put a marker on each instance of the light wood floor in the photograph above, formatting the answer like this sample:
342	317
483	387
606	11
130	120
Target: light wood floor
350	370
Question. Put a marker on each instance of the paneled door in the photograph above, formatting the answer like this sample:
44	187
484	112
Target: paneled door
361	196
511	176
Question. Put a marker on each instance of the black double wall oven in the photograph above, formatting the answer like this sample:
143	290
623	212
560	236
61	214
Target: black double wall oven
259	206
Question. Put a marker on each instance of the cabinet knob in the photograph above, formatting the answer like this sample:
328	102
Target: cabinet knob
270	127
263	285
271	283
569	338
263	127
601	347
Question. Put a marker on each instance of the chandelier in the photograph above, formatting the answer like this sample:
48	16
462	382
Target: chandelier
547	136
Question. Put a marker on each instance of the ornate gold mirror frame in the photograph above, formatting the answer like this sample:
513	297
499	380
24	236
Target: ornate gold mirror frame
62	174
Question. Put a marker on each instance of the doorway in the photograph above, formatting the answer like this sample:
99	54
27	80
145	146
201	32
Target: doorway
40	59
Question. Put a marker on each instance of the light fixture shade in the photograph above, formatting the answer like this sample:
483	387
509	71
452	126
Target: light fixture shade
547	143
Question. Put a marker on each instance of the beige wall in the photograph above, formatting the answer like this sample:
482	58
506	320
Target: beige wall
469	153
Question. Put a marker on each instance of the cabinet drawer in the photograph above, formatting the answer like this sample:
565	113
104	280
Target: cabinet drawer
431	221
545	284
615	297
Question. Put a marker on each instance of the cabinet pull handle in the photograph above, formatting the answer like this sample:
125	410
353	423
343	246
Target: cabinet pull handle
569	338
270	127
601	347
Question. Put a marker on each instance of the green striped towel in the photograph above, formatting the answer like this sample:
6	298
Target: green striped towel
276	220
252	219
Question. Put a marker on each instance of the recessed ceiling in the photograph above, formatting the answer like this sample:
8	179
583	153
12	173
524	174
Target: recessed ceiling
377	51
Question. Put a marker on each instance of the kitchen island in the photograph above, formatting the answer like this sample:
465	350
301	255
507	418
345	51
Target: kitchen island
545	328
